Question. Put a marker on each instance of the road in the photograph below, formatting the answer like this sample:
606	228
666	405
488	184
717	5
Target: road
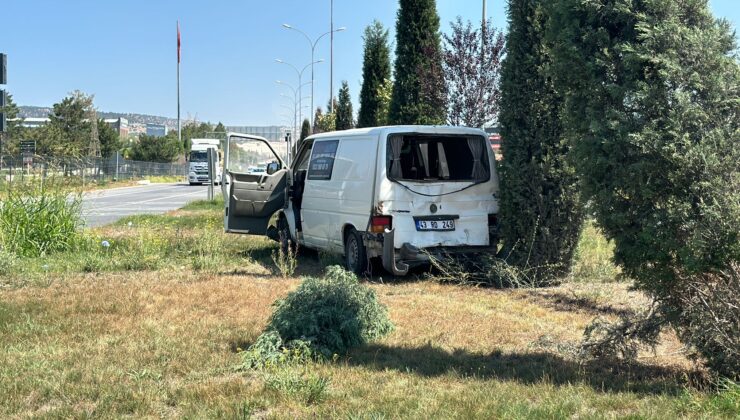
106	206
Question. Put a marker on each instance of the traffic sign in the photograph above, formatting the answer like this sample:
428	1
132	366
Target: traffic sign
28	146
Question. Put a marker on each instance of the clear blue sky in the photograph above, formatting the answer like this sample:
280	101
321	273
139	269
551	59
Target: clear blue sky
125	52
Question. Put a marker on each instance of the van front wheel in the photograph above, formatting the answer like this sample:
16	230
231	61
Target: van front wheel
354	253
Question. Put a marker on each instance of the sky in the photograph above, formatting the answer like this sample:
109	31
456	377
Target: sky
124	52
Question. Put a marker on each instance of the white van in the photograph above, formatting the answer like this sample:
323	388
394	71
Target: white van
397	194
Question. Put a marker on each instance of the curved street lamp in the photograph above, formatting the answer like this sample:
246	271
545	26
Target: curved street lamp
312	44
300	76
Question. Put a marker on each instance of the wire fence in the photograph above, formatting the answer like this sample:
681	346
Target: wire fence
85	170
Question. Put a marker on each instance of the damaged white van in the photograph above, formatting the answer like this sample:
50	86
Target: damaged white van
394	194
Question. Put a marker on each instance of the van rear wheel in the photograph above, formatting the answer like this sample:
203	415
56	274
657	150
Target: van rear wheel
354	253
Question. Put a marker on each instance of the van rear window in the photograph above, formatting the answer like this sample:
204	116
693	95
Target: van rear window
414	157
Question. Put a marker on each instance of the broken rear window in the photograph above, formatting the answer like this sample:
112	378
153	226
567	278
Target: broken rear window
414	157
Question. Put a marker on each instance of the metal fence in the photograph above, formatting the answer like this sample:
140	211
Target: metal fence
85	169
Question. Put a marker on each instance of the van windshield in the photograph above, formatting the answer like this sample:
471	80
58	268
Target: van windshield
416	157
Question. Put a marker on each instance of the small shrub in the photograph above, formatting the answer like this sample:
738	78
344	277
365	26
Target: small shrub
39	221
322	318
270	351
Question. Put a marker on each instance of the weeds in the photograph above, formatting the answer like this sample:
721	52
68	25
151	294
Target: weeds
298	384
286	259
37	221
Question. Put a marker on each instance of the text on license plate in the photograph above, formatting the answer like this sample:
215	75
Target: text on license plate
435	224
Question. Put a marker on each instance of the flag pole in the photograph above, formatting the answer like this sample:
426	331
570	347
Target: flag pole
179	130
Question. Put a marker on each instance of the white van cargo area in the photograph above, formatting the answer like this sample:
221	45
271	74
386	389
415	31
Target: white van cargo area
397	194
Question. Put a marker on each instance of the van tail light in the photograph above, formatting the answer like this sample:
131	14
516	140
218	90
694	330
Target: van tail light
378	224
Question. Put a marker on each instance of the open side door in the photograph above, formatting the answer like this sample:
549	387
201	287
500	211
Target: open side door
255	178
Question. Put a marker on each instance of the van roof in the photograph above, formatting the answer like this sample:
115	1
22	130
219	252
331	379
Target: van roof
423	129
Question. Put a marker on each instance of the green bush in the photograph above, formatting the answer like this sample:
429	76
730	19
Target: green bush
652	114
324	317
334	313
39	221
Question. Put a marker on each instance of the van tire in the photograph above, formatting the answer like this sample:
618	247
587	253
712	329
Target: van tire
286	242
355	257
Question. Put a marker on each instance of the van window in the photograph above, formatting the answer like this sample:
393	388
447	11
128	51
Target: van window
416	157
322	160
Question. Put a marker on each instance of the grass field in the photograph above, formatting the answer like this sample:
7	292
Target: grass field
152	325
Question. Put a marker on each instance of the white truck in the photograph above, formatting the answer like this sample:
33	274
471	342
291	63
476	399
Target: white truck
395	194
198	166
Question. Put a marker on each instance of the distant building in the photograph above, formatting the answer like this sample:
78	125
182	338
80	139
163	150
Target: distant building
120	125
156	130
271	132
34	122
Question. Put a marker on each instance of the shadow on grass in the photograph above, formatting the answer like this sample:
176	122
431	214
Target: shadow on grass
526	368
563	302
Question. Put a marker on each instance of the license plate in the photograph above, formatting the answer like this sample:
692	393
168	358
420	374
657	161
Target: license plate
435	224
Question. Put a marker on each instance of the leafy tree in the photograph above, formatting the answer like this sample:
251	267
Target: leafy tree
326	123
653	116
343	115
472	67
110	141
540	211
384	95
156	149
376	70
15	128
316	118
193	130
68	131
305	129
220	128
419	89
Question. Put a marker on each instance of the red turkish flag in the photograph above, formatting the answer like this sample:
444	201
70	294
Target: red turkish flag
178	41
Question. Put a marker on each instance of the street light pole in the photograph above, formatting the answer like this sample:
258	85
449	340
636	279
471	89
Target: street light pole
300	76
296	101
312	44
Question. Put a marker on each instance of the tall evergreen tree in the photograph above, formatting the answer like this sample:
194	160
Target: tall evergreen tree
110	140
540	211
653	115
305	129
419	90
376	69
220	128
15	128
343	111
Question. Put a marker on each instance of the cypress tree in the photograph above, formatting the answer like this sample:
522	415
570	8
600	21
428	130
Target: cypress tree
419	95
540	212
653	115
376	69
305	129
344	116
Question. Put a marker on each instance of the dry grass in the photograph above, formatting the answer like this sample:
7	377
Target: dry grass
165	344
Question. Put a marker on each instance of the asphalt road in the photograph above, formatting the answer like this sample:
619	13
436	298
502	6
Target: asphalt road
106	206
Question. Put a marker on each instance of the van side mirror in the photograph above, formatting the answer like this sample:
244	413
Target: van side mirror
272	167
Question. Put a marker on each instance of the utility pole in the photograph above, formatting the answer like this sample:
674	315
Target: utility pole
179	125
331	57
3	102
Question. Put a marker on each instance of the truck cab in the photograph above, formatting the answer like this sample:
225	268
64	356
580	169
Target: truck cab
198	161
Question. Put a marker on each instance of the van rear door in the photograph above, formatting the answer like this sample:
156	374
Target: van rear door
250	199
439	188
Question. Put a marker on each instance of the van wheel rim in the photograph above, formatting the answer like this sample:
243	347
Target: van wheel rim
352	255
